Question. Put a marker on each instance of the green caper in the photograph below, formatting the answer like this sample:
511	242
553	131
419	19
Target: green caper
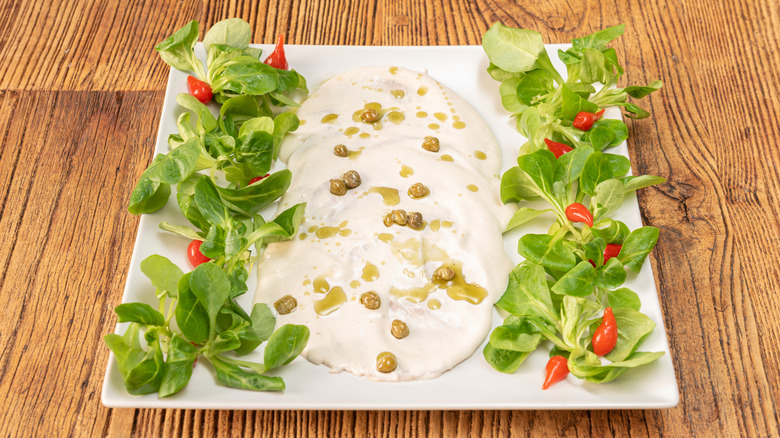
399	217
285	305
340	150
337	187
431	144
388	219
351	179
385	362
415	221
444	273
399	329
418	190
369	115
370	300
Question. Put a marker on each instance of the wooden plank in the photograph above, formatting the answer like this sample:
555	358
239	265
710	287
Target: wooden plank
81	91
70	157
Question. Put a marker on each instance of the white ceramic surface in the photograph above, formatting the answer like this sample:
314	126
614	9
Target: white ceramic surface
471	385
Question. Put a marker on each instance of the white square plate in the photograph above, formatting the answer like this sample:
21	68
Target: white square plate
471	385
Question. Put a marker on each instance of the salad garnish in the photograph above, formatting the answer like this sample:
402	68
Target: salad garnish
198	315
569	288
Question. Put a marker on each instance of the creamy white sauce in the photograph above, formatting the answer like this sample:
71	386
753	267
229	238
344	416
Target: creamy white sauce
344	249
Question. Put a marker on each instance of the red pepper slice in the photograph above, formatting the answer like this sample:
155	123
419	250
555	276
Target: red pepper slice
556	370
199	89
612	250
585	120
606	335
277	59
556	148
579	213
257	178
194	255
194	362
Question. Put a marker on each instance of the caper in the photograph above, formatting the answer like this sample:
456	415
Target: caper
399	329
399	217
431	144
340	150
415	221
370	300
385	362
388	219
418	190
337	187
351	179
285	305
369	115
444	273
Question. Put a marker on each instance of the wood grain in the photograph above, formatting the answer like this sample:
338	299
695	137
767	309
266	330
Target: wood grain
80	93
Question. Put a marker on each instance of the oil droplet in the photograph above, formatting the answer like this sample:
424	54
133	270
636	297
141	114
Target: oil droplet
329	118
435	224
434	304
398	94
446	157
422	114
321	284
458	125
370	272
353	155
421	91
332	301
433	126
364	135
325	232
458	289
389	196
396	117
393	70
351	131
302	236
306	282
406	171
440	116
344	233
385	237
302	122
446	224
472	187
414	294
354	284
480	155
312	228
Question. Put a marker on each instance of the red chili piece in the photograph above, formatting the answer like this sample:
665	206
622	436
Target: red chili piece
612	250
556	148
194	255
199	89
277	59
195	362
585	120
579	213
606	335
556	370
257	178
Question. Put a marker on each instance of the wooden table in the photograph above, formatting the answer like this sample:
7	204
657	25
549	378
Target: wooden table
81	89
